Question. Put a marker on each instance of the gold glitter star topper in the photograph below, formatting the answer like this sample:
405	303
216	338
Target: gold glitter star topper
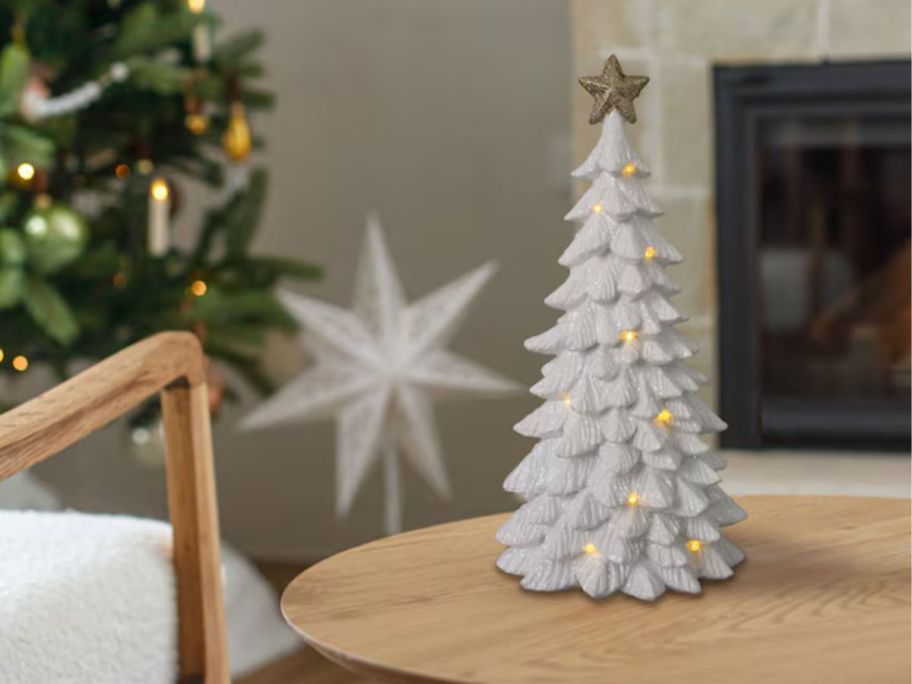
613	89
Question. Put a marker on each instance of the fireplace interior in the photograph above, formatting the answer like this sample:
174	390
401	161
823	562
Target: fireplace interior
813	202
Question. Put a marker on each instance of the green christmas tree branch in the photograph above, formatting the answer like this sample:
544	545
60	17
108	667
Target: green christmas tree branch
77	281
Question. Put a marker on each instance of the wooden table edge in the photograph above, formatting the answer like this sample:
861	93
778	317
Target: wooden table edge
361	666
372	668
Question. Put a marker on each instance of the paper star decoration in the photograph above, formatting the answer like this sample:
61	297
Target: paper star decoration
613	89
378	367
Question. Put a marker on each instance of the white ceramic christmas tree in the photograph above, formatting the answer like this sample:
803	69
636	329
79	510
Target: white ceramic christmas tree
622	493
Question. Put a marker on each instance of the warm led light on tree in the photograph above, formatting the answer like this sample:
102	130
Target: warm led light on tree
566	399
628	170
1	355
159	210
121	171
633	499
694	545
159	190
20	363
597	208
198	288
590	549
649	254
202	41
25	171
665	417
628	335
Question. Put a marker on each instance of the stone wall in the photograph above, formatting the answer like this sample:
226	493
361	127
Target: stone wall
676	43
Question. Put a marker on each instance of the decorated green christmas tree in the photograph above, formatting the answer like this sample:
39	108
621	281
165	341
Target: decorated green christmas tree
107	108
622	493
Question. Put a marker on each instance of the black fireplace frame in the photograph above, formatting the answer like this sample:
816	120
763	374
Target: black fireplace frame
746	96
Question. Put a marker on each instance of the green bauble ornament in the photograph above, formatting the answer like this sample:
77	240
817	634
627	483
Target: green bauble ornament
12	284
12	248
54	236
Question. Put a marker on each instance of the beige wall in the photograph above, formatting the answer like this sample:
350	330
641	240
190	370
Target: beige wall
450	118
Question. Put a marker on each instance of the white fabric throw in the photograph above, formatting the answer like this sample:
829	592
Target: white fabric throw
91	599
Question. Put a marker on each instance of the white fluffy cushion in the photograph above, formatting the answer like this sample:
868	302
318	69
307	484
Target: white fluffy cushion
91	598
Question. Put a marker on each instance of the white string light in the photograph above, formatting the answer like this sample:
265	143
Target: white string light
36	107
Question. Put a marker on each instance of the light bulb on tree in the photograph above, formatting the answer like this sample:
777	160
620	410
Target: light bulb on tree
25	171
202	41
20	363
649	253
159	214
159	190
664	418
629	170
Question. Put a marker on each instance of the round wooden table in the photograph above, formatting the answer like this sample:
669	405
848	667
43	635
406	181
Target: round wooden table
822	597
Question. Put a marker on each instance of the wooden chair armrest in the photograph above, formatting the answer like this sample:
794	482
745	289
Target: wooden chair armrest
171	363
65	414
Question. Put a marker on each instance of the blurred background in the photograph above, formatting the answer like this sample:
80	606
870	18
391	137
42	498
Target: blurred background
778	137
777	133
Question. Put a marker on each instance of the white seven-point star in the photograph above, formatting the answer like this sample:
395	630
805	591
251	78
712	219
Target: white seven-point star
378	367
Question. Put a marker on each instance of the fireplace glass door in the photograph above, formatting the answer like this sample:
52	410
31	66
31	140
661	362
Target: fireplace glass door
822	282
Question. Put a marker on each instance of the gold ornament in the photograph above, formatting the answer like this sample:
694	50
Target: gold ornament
237	141
197	123
196	119
613	89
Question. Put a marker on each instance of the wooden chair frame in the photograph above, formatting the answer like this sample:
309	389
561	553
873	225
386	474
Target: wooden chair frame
173	364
